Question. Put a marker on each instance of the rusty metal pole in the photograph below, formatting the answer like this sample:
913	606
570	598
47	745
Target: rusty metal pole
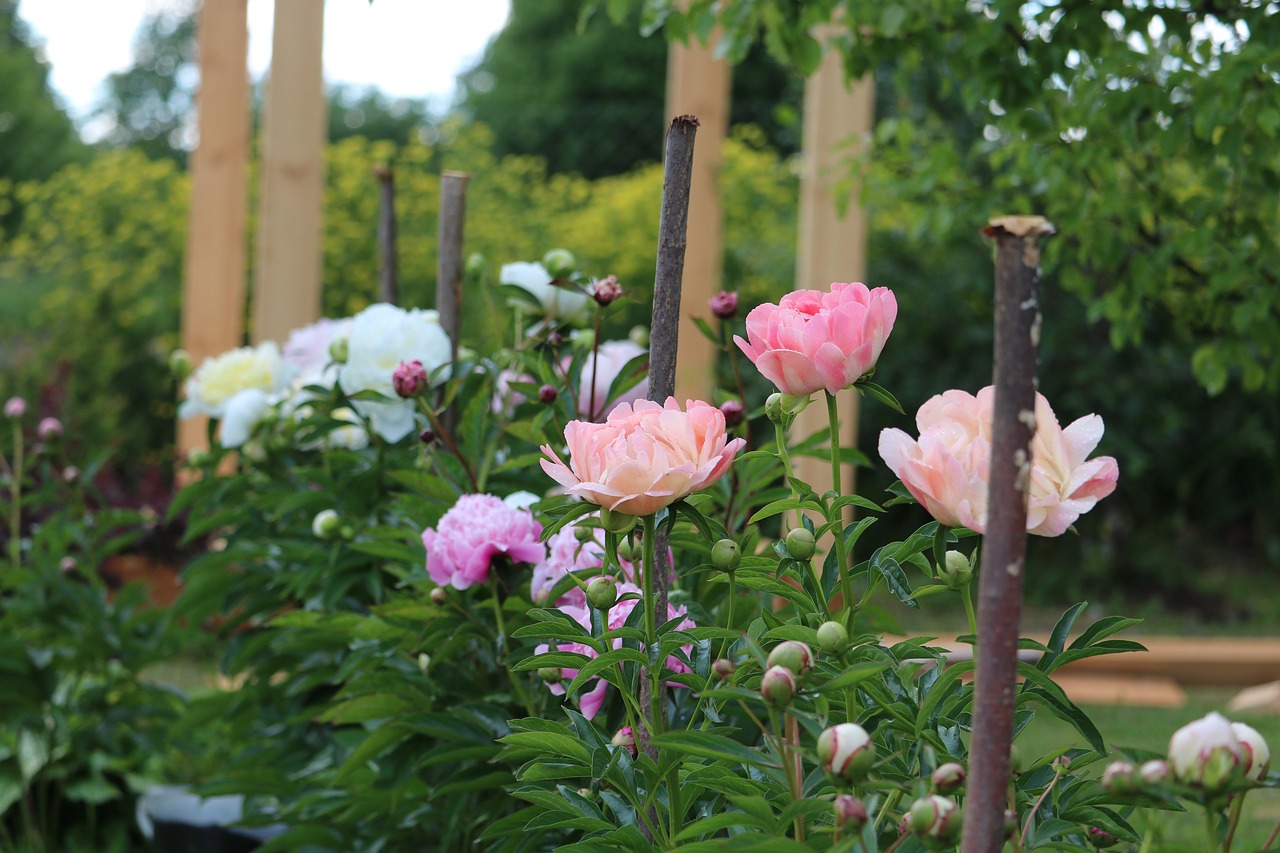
1004	546
673	223
388	269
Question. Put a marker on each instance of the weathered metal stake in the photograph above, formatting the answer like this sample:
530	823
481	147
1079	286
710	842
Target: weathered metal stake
673	224
388	266
1017	336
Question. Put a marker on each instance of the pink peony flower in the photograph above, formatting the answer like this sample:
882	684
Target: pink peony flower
644	457
811	341
565	553
590	702
49	429
947	469
724	304
478	528
307	349
606	290
15	407
610	358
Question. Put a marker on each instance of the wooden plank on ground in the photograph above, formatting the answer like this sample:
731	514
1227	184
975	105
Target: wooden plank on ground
1112	689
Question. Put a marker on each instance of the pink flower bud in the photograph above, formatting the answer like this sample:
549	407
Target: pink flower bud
1256	753
547	394
851	812
427	436
15	407
723	668
724	304
606	290
778	686
793	655
625	738
1154	772
846	751
734	413
1101	839
49	428
935	816
409	379
1206	753
1120	777
948	777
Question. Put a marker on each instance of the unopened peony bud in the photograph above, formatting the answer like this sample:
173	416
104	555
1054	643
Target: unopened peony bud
734	413
347	532
15	407
326	524
957	571
606	290
948	777
850	812
1120	777
833	639
639	335
778	686
724	304
180	364
409	379
555	339
583	534
625	738
935	817
723	668
424	661
547	394
794	404
602	593
794	655
801	544
773	406
1206	753
1101	839
1255	752
67	565
726	555
475	266
49	429
70	474
439	596
1015	759
1010	823
550	674
627	550
617	522
846	751
559	263
1061	764
1154	772
427	436
198	457
339	349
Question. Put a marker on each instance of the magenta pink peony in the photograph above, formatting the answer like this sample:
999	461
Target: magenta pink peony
813	341
460	550
947	468
590	701
644	456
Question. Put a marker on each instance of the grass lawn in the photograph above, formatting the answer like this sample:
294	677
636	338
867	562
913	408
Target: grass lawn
1150	729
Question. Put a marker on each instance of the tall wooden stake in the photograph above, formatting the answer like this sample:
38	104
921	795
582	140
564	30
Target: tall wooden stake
1017	337
388	266
214	286
453	214
673	224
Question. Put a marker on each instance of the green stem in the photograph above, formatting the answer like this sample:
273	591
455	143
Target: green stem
842	558
1211	826
1233	820
15	497
966	593
516	684
651	626
1271	839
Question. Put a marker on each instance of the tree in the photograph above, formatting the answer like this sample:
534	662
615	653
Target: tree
1146	131
37	138
590	99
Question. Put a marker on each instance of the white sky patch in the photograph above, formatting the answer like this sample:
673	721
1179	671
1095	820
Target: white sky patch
406	48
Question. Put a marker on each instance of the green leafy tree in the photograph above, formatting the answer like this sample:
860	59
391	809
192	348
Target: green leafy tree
589	99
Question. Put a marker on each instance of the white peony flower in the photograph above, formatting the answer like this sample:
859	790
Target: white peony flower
241	414
381	337
351	436
220	378
560	303
1205	753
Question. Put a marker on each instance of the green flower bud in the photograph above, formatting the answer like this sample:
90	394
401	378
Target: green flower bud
725	555
180	364
948	777
793	655
935	817
583	534
339	349
850	812
800	544
1120	777
326	524
602	592
475	265
957	571
617	522
1101	839
639	335
560	263
550	674
778	686
723	668
846	751
833	639
627	550
773	406
439	596
794	404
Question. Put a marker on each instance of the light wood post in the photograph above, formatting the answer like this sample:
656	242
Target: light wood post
831	247
214	278
698	85
286	291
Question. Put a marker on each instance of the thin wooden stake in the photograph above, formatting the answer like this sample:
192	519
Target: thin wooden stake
453	214
1017	337
664	338
389	267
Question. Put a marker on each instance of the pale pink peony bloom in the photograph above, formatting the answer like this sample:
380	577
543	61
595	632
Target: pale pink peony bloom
565	553
49	428
644	456
947	468
601	369
15	407
590	701
813	341
307	349
478	528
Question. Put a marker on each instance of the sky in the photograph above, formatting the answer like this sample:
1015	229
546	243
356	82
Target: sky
406	48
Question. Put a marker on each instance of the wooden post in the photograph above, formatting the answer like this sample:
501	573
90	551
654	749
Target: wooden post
698	85
286	291
388	263
214	279
831	247
1004	545
453	215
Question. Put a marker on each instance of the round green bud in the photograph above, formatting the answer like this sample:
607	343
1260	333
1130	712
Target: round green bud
583	534
617	522
778	686
550	674
801	544
957	571
948	777
180	364
793	655
559	263
475	265
602	592
439	595
773	406
723	668
794	404
725	555
833	639
627	550
339	349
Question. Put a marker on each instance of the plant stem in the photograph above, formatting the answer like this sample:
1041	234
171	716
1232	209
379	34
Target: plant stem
447	438
1211	826
516	685
966	594
15	497
842	558
1044	795
1233	820
794	768
592	415
1271	839
654	670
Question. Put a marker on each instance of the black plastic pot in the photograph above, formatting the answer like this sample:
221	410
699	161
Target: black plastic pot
178	821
